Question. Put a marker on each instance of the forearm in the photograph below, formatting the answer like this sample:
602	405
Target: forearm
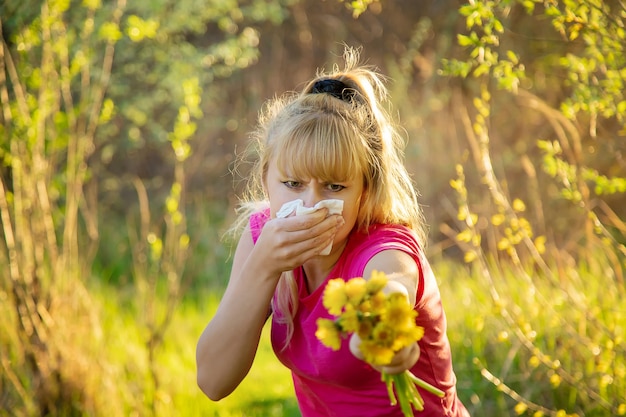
228	345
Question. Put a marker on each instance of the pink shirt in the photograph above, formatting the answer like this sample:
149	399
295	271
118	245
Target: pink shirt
335	383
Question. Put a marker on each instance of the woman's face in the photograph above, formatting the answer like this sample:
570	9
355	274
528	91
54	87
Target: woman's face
284	187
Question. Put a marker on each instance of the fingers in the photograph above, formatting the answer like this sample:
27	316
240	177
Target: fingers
403	360
305	226
311	232
355	342
293	240
395	287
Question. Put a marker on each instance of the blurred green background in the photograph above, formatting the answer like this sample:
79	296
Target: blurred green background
122	129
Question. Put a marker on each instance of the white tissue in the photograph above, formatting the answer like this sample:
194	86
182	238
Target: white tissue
333	206
288	208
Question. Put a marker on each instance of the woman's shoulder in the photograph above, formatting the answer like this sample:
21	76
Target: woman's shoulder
380	237
388	232
364	244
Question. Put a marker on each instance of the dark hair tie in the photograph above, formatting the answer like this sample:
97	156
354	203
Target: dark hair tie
335	88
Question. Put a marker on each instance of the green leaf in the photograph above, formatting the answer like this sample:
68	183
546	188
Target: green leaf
481	70
464	40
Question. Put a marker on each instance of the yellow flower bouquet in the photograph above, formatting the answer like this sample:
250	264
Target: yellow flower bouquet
385	323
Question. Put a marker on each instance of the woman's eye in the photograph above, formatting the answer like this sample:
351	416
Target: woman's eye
335	187
291	184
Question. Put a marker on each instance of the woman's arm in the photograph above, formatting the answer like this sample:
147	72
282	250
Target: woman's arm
228	345
400	267
404	275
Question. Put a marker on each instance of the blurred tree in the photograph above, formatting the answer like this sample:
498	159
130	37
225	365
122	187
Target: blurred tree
564	65
404	39
572	92
53	79
69	80
567	82
169	41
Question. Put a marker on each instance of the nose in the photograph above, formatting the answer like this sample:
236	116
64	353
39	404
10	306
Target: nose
313	194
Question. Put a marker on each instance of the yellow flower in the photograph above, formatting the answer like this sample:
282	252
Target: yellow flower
377	304
384	323
383	335
375	354
520	408
349	319
408	337
328	333
356	290
365	327
366	306
335	297
555	380
376	282
398	313
518	205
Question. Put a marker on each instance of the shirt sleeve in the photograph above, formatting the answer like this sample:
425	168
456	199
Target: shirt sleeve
390	237
257	221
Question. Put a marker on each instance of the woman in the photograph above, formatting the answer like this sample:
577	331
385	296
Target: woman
334	141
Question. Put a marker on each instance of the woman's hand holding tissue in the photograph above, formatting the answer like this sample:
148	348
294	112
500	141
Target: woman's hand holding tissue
289	241
297	206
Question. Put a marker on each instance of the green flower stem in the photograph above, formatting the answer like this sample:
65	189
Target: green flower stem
413	394
406	393
387	379
423	384
403	394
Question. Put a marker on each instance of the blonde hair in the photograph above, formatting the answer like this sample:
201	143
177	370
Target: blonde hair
331	137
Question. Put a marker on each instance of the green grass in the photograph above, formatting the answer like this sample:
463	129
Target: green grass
579	322
267	390
553	345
